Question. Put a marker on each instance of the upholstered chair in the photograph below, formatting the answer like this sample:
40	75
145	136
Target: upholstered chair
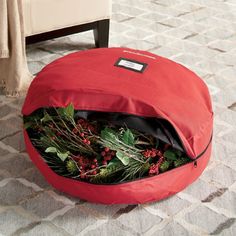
47	19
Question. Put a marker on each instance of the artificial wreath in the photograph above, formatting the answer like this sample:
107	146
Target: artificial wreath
98	151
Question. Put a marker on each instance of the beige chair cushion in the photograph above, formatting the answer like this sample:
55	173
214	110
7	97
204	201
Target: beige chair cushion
47	15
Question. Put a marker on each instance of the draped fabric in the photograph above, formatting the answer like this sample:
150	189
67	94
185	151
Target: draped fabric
14	74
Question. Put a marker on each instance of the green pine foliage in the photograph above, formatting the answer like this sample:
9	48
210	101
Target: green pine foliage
97	152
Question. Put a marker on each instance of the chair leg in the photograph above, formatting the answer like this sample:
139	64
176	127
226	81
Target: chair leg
101	33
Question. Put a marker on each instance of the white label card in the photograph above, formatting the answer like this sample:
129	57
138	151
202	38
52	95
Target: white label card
131	65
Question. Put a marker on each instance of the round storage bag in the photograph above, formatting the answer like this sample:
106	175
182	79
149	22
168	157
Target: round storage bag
134	82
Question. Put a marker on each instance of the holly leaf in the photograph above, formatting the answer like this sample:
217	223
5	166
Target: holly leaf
128	137
114	162
170	155
68	111
51	150
164	166
46	118
181	161
108	134
123	158
63	156
28	125
178	153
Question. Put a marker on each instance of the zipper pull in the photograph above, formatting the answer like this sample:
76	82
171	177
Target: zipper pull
195	164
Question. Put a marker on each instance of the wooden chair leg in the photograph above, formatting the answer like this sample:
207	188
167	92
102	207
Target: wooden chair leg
101	33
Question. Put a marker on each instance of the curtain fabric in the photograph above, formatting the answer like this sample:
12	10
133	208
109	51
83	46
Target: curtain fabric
14	74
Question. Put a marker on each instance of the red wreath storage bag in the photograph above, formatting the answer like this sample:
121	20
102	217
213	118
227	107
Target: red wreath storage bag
131	82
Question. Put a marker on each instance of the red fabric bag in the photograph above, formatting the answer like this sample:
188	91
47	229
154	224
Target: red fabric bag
131	82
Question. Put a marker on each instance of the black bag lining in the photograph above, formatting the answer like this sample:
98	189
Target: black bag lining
157	127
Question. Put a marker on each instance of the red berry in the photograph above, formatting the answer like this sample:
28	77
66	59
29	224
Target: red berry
80	162
91	128
104	163
146	153
107	158
82	135
166	146
75	131
86	141
95	160
113	153
80	121
83	166
159	153
103	153
94	172
93	166
153	154
82	175
151	171
76	158
107	149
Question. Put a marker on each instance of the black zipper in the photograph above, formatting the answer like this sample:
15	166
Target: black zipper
202	153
